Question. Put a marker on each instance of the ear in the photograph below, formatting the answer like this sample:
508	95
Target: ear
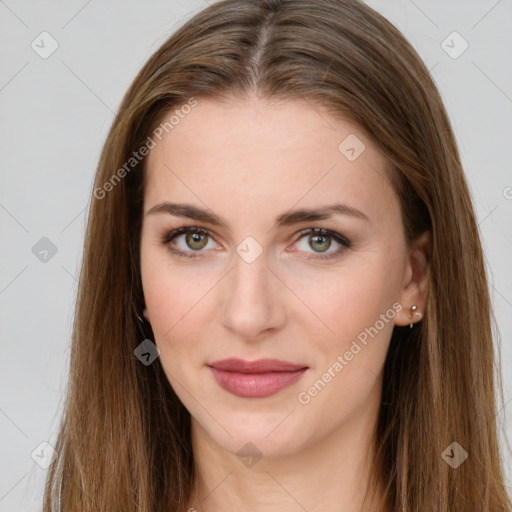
415	284
145	313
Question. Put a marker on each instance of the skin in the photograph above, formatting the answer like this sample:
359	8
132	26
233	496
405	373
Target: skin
249	161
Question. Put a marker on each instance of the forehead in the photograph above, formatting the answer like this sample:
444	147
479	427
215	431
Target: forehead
249	153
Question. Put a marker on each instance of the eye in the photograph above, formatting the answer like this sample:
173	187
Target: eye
321	240
195	239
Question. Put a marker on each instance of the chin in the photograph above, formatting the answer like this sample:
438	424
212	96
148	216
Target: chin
264	435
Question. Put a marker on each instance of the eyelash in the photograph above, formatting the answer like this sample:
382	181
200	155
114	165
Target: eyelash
169	237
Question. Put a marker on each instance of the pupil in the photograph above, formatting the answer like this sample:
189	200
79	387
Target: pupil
320	238
195	238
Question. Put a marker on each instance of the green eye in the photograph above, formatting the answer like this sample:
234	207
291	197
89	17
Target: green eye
320	240
196	239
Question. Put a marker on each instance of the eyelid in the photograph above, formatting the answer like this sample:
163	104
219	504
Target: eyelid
337	237
173	233
340	239
322	231
183	230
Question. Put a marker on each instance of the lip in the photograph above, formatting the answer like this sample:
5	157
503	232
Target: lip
255	379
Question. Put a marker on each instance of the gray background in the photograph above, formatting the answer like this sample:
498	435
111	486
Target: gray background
56	113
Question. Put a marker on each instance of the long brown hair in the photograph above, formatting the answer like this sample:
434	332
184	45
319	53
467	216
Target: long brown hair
124	439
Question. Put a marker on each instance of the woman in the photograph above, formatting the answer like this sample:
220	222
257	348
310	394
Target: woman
283	303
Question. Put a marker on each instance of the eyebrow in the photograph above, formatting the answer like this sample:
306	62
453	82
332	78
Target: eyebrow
286	219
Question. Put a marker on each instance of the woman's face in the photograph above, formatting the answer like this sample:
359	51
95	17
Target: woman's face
254	282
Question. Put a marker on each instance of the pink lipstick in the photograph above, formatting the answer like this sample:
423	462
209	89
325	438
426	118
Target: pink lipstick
255	379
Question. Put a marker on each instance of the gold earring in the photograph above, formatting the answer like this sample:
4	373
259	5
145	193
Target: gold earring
413	309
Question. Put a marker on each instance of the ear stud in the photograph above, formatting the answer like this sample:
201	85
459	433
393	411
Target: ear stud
413	309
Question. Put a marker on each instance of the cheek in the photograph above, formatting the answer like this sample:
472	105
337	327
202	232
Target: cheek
173	307
164	294
164	297
346	301
358	308
175	302
350	334
169	304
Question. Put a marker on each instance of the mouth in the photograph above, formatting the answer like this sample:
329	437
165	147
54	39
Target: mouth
255	379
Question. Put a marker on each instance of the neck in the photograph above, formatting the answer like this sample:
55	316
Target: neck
330	474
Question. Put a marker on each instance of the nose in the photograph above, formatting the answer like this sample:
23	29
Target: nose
253	299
